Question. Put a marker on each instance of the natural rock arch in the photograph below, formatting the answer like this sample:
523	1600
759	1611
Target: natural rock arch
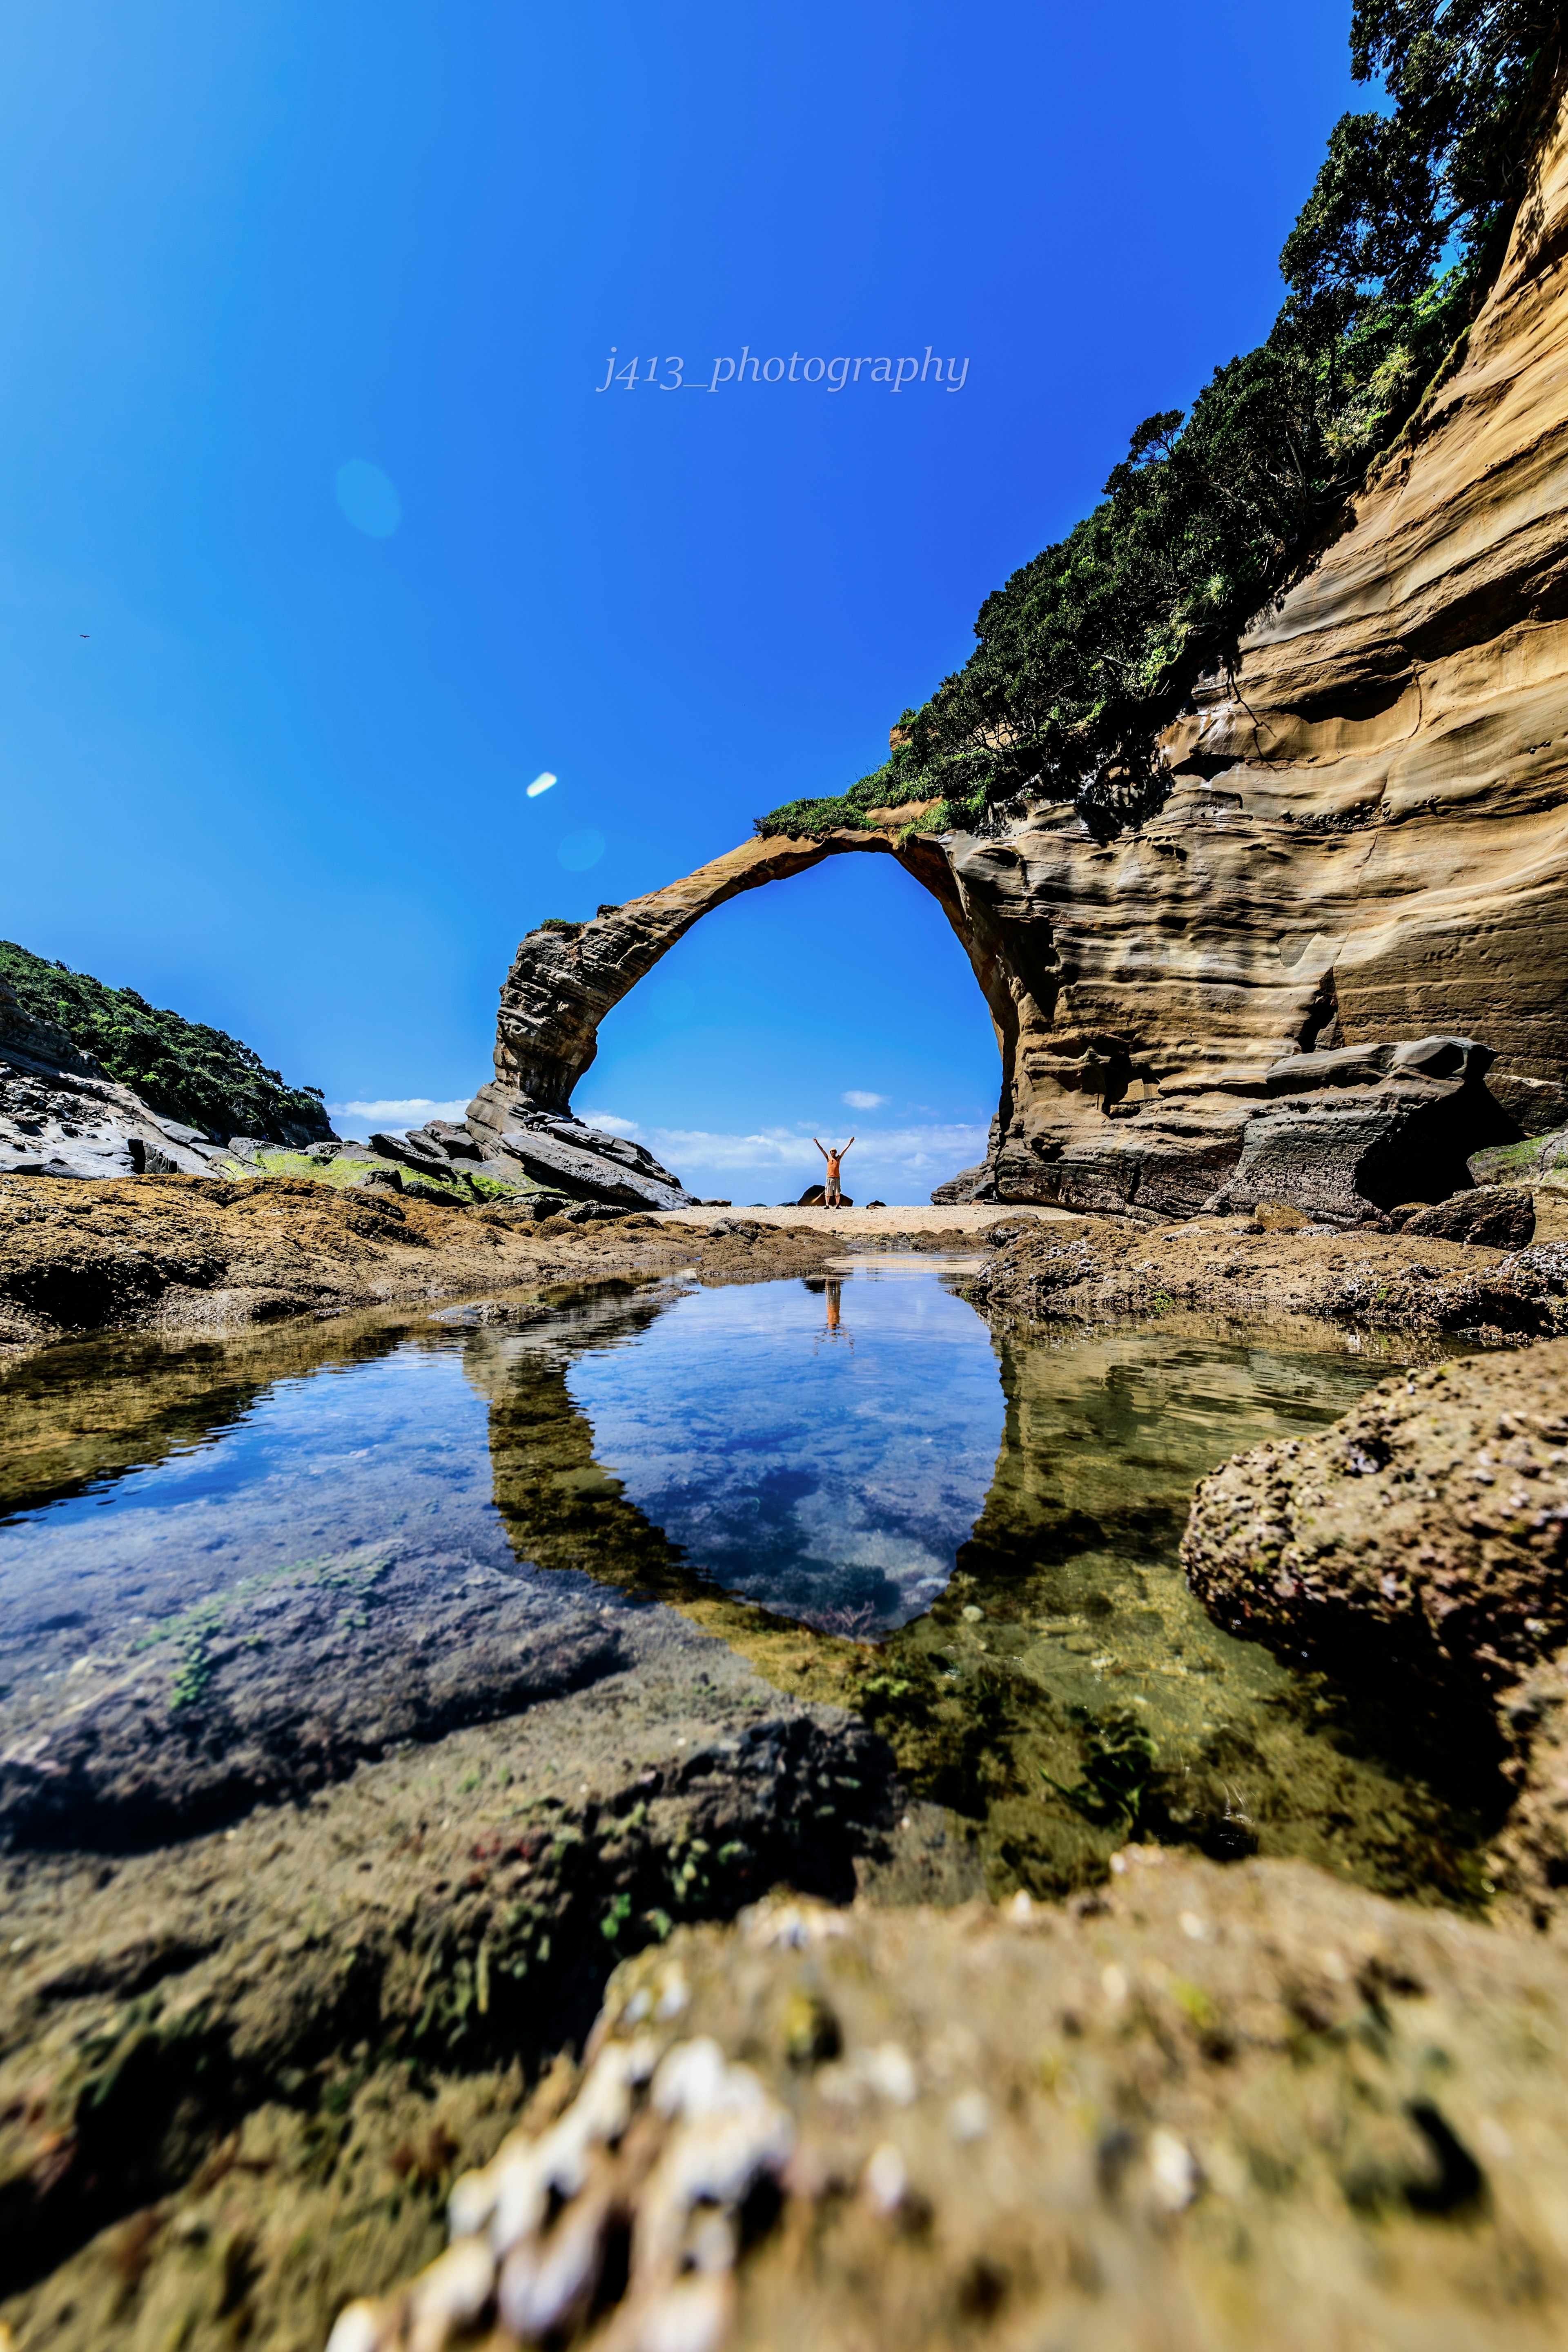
1276	987
566	979
1103	1103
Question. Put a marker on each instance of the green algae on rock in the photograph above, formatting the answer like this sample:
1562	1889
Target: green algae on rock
1208	2110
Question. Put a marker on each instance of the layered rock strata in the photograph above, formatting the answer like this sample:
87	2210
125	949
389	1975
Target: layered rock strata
1336	965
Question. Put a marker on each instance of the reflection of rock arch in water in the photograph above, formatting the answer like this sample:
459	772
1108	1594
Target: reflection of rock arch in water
1078	1609
787	1469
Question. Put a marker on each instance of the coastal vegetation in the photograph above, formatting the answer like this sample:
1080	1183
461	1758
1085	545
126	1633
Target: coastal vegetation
1095	645
182	1069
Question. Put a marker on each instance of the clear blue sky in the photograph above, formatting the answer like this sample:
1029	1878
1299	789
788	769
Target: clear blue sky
278	784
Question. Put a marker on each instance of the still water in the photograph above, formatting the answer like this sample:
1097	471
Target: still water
826	1465
970	1536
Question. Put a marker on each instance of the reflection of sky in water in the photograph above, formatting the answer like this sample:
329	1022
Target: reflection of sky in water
393	1453
827	1472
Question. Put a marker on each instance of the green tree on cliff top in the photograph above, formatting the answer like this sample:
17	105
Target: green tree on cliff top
1096	644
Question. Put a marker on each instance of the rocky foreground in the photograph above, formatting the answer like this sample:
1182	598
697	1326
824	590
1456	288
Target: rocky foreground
1205	2108
1200	2107
318	2066
176	1253
191	1254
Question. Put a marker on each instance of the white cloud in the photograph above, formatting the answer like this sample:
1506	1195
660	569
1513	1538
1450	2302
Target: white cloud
610	1122
857	1101
541	783
396	1117
915	1151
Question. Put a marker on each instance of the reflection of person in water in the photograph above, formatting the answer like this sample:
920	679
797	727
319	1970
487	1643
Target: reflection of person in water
832	1157
829	1289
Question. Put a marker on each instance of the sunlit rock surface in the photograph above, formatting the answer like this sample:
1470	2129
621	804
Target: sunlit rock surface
62	1115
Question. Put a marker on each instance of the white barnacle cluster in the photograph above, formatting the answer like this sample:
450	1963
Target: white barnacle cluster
672	2146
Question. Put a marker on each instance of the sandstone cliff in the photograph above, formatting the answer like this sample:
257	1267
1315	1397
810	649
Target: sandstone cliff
1335	964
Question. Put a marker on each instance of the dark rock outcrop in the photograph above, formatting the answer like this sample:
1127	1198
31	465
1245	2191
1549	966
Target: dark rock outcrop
552	1149
1499	1216
62	1115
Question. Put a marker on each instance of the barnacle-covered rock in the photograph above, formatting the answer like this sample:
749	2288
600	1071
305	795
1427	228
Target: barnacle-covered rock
1207	2110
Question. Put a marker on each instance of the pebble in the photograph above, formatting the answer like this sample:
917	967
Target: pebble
969	2117
885	2178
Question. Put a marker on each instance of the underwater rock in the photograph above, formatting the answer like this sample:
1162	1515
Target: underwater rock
280	1690
452	1908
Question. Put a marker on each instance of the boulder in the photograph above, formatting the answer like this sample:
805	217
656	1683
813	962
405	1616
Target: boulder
970	1185
413	1151
455	1141
1426	1534
559	1151
1493	1216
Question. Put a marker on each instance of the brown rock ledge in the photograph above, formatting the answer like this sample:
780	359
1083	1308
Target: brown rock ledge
1098	1266
183	1252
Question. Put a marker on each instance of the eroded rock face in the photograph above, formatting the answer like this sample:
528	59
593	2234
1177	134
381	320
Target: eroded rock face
1104	2127
1429	1525
1336	964
61	1115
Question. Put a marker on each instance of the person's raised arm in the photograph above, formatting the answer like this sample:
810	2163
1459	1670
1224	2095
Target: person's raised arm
846	1147
821	1147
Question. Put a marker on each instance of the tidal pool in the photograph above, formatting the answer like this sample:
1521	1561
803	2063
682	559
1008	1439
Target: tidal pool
314	1541
825	1465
